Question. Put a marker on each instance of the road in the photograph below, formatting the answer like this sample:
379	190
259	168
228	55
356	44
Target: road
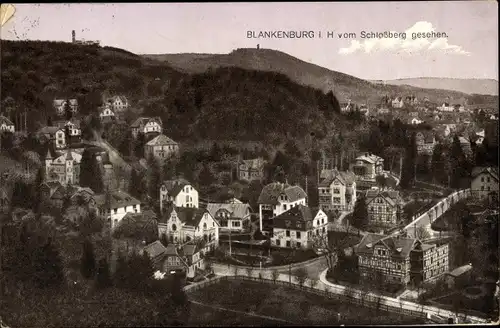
114	155
319	282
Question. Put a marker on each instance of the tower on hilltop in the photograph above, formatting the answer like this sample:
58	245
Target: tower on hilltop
73	36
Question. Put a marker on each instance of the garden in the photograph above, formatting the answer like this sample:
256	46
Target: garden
283	303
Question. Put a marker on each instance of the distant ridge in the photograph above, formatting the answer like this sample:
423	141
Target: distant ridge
469	86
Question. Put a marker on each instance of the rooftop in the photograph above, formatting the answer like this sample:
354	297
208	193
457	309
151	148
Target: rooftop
271	192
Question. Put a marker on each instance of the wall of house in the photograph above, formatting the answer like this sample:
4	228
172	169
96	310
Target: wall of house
436	262
187	197
152	127
383	213
5	127
482	185
282	206
117	214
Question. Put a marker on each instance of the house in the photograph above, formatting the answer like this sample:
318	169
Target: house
179	192
81	196
64	168
425	141
6	124
180	225
187	259
337	191
367	166
298	227
161	147
484	184
114	205
146	126
61	104
117	103
397	102
53	134
411	100
231	216
458	108
415	121
72	127
346	107
383	110
458	276
106	114
445	107
251	169
385	207
276	198
399	260
53	193
364	109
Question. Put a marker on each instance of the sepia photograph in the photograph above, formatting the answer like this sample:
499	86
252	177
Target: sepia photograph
249	164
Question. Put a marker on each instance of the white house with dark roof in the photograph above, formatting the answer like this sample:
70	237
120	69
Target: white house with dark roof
298	227
367	166
179	192
484	184
106	113
146	126
161	147
276	198
114	205
385	207
337	191
397	102
60	106
117	103
398	260
6	124
231	216
181	225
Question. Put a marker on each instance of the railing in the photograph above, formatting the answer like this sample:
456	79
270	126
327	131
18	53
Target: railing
369	301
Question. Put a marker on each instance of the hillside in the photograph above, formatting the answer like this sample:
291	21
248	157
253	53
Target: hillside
345	86
230	103
469	86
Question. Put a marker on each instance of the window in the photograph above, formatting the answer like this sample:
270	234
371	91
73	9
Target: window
288	233
288	243
174	227
277	242
298	234
298	244
482	179
284	207
236	223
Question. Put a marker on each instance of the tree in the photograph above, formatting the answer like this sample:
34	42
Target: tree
87	263
179	300
410	158
458	163
301	276
48	268
360	214
103	277
36	192
275	275
206	177
90	172
292	150
135	183
154	178
422	233
68	113
329	248
21	195
381	181
438	167
122	272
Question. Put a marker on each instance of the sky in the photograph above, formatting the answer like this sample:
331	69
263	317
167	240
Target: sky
469	49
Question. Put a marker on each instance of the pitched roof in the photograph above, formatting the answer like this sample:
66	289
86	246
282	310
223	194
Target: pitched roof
113	98
190	216
392	196
155	249
237	210
370	158
69	156
175	186
5	120
299	217
62	123
144	120
161	140
397	245
137	226
118	199
345	177
460	270
271	192
493	171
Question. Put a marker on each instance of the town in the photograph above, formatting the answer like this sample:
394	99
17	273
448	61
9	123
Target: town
104	195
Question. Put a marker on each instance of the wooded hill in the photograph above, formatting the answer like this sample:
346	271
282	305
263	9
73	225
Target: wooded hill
226	103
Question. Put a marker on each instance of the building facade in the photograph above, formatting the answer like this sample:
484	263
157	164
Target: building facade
178	192
337	192
400	260
385	207
231	216
484	184
146	126
60	106
298	227
276	198
64	168
114	205
161	147
425	142
251	169
6	125
367	166
181	225
54	135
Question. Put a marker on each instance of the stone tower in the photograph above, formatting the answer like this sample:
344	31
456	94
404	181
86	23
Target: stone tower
73	36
